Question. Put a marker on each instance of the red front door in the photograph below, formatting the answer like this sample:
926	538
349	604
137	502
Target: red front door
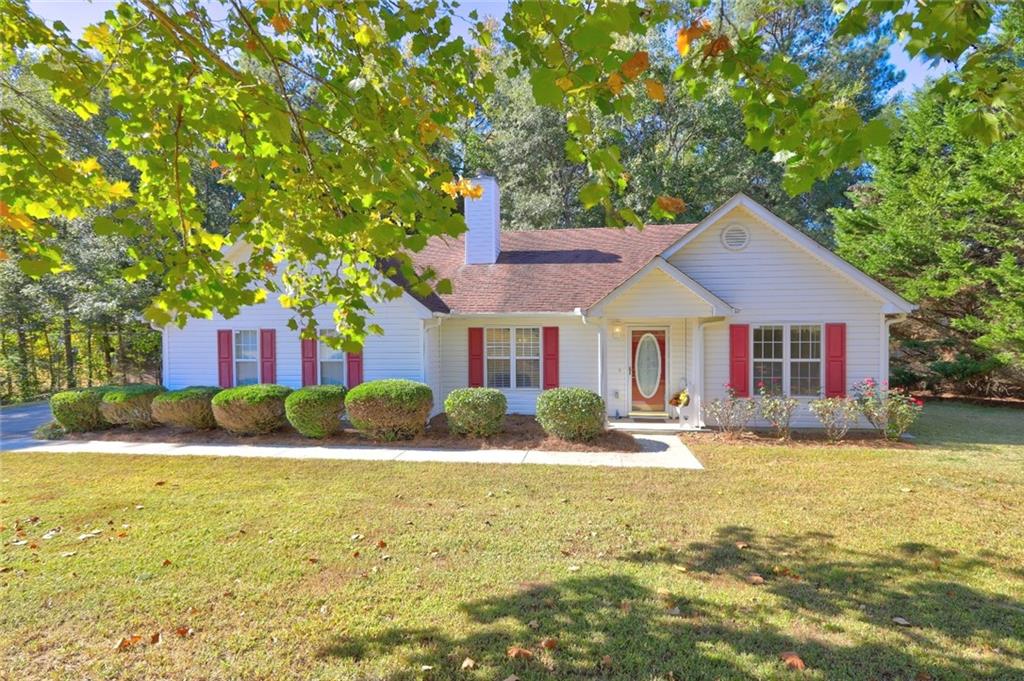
648	370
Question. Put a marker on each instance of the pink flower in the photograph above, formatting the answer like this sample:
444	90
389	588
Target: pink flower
918	401
760	384
869	381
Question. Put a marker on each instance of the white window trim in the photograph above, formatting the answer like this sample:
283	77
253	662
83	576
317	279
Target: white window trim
234	355
787	388
320	364
512	357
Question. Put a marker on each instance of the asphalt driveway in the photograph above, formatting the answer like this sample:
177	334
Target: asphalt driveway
19	421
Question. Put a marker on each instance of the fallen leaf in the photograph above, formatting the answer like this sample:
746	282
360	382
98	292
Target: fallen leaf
160	483
122	535
382	544
517	653
426	667
355	554
549	643
511	677
52	533
533	624
792	660
184	632
68	554
33	545
755	579
167	561
626	607
313	559
155	638
606	661
468	663
901	621
574	568
742	545
19	542
128	642
680	568
924	676
139	507
356	537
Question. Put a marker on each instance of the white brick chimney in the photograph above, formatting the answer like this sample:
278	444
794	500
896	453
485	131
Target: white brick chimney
483	218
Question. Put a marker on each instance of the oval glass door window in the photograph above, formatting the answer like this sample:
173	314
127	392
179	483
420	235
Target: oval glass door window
648	365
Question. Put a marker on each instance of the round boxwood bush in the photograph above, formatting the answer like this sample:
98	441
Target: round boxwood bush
573	414
187	408
390	409
78	411
479	412
250	409
129	405
315	411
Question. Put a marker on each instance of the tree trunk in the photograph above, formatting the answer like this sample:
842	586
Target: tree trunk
51	363
121	359
69	350
108	362
88	356
25	385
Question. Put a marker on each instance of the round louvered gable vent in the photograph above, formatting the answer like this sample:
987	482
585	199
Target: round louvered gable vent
735	237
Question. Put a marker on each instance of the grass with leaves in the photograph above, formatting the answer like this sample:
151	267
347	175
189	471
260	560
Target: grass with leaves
865	563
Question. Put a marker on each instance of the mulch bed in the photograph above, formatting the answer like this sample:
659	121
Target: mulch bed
799	438
521	432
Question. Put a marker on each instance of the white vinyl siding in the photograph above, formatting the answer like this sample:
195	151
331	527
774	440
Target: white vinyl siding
191	352
774	282
577	365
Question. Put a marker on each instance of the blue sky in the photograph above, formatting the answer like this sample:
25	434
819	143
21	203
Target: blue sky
78	14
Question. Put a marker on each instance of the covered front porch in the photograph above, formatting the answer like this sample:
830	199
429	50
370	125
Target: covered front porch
651	348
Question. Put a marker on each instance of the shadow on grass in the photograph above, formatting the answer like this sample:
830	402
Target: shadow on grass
839	609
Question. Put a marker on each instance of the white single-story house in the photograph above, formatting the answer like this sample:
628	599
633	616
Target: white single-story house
634	315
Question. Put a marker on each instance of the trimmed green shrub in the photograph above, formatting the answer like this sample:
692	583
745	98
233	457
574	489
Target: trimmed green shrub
187	408
479	412
129	405
573	414
250	409
315	411
51	430
390	409
78	411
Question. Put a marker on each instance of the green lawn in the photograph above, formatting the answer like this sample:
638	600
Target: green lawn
641	566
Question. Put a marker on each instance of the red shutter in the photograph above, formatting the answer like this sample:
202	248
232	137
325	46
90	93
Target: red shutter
225	371
476	357
309	361
739	359
268	356
835	360
550	351
354	368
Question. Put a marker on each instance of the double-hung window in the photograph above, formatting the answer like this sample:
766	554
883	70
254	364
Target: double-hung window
512	357
247	353
332	365
787	359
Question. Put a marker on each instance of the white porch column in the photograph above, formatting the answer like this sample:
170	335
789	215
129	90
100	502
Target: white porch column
602	361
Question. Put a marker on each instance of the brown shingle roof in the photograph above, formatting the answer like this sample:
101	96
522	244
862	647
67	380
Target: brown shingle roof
554	270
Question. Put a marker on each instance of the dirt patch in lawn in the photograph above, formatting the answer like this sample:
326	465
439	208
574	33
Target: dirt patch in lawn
521	432
799	438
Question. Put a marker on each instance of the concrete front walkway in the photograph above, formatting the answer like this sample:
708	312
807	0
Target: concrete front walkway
659	451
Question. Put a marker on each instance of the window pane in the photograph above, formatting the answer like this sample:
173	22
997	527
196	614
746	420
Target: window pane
246	373
527	373
499	342
768	342
527	342
327	352
805	378
770	374
805	342
332	373
499	373
245	345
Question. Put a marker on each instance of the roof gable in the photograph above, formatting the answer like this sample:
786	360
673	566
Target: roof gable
892	302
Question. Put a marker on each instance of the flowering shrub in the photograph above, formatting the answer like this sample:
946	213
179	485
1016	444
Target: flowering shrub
836	414
891	412
777	410
733	413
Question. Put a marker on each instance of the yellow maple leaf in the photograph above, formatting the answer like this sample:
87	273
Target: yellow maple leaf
119	190
90	165
655	90
472	191
565	83
450	188
636	64
671	204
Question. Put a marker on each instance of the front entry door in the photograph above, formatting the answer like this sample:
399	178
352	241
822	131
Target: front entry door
648	370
